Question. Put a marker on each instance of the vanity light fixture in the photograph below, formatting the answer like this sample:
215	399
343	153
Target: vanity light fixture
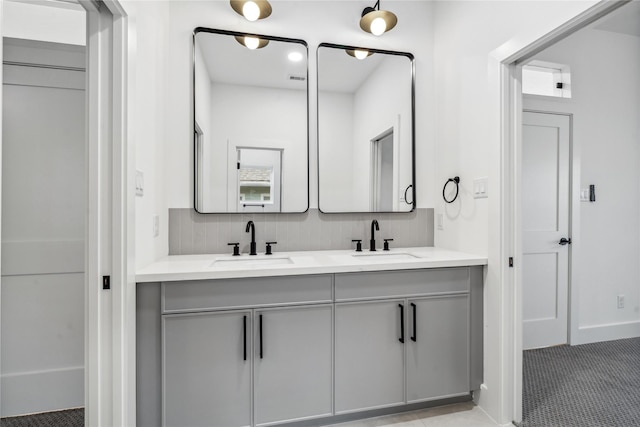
252	42
359	53
252	10
376	21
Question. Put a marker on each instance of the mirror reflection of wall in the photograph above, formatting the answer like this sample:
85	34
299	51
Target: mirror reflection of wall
365	130
250	103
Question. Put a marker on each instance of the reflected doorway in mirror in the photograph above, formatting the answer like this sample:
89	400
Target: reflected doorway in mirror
258	179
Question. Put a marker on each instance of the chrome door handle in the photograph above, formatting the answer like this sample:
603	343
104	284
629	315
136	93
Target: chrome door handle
565	241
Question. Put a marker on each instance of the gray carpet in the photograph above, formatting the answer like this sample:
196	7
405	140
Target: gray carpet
591	385
67	418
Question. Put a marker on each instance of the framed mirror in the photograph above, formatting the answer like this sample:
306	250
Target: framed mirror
365	130
250	98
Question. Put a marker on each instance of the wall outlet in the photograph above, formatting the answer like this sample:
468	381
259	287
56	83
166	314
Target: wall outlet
620	301
440	221
156	225
139	183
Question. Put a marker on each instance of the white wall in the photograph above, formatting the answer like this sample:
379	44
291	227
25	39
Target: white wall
47	21
203	119
471	37
379	106
148	83
257	117
315	22
337	130
605	105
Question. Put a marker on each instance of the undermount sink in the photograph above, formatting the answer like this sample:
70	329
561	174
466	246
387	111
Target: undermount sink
384	256
250	261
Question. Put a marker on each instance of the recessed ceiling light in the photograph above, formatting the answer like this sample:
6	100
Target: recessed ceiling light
295	57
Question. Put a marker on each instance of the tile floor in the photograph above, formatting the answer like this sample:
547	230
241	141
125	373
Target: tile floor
458	415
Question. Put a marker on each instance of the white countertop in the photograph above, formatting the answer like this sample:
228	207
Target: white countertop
225	266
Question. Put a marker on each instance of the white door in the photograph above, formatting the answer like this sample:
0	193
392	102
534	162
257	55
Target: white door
545	222
43	227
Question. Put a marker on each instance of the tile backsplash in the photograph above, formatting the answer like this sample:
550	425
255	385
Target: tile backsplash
194	233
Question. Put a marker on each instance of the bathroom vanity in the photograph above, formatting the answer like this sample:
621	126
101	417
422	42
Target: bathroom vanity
309	338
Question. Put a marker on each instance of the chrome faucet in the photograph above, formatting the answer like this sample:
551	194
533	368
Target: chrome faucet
374	227
252	227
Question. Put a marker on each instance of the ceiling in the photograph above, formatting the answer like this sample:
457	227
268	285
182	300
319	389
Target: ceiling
230	62
625	20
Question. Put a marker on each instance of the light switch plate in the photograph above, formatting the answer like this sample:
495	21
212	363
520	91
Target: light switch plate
480	188
584	194
139	183
156	225
440	221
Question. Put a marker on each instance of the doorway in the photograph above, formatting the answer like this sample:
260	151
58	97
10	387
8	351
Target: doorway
259	179
107	311
546	170
43	226
593	292
382	177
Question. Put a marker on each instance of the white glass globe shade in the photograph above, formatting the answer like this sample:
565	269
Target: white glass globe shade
251	11
378	26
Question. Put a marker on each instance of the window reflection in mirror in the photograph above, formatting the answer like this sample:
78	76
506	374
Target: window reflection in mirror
251	123
259	179
365	130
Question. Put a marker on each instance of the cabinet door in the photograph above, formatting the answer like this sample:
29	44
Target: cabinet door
369	371
293	364
437	347
206	379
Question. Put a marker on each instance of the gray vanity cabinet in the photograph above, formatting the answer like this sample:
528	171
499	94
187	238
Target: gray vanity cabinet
369	369
269	351
438	348
292	363
406	337
206	379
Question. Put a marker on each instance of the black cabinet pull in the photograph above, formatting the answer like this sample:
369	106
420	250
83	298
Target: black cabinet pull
261	336
414	337
244	336
401	322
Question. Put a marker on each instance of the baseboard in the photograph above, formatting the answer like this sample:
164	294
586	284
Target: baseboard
608	332
42	391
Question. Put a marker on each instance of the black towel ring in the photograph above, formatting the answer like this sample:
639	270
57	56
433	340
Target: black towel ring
405	194
456	181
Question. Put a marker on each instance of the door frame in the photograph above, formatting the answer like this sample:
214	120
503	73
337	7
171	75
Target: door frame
506	84
574	214
109	315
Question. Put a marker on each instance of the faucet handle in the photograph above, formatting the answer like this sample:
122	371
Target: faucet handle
358	245
236	248
268	252
386	244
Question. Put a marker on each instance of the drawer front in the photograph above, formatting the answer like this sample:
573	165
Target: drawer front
201	295
393	284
